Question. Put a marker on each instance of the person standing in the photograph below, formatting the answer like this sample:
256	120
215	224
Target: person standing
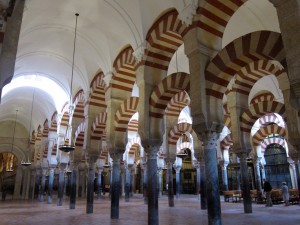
267	190
285	193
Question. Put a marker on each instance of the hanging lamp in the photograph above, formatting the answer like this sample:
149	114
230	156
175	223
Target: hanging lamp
10	169
70	147
24	162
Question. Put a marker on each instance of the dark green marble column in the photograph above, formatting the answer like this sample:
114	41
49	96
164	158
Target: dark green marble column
115	186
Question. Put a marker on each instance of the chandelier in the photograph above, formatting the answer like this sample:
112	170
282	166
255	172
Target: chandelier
10	166
24	162
68	147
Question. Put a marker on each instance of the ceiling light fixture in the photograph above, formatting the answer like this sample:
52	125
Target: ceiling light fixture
70	147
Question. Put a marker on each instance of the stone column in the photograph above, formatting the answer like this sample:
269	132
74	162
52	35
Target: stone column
61	184
115	186
18	182
26	182
263	172
159	187
90	187
170	183
44	171
293	175
50	184
132	183
145	193
99	182
152	185
245	183
212	181
197	166
177	169
31	183
238	178
127	183
298	173
122	180
37	183
203	192
81	182
224	175
256	163
73	186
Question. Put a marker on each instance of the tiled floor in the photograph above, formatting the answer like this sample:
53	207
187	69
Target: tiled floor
186	212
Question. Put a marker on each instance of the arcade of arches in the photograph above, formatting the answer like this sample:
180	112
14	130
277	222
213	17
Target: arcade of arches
196	97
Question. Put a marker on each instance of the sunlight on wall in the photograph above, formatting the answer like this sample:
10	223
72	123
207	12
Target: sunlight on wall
58	95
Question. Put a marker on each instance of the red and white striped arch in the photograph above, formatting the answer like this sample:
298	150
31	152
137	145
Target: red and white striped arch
258	110
79	135
104	153
214	15
269	141
164	37
227	142
45	129
133	125
64	120
53	125
79	105
269	118
264	132
39	134
177	103
125	112
125	70
133	145
164	92
98	126
266	96
97	96
54	149
185	145
177	130
261	45
251	73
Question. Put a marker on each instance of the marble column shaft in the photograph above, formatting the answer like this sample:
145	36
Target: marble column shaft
170	184
203	192
145	193
37	184
43	184
224	176
160	183
177	182
212	181
18	182
90	189
247	200
152	186
257	175
73	188
115	186
81	181
61	186
31	184
127	183
50	185
99	177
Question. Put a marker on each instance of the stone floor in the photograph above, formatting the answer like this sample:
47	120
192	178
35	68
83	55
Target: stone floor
186	212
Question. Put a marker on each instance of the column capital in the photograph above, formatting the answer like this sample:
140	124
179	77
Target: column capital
116	156
242	156
210	139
